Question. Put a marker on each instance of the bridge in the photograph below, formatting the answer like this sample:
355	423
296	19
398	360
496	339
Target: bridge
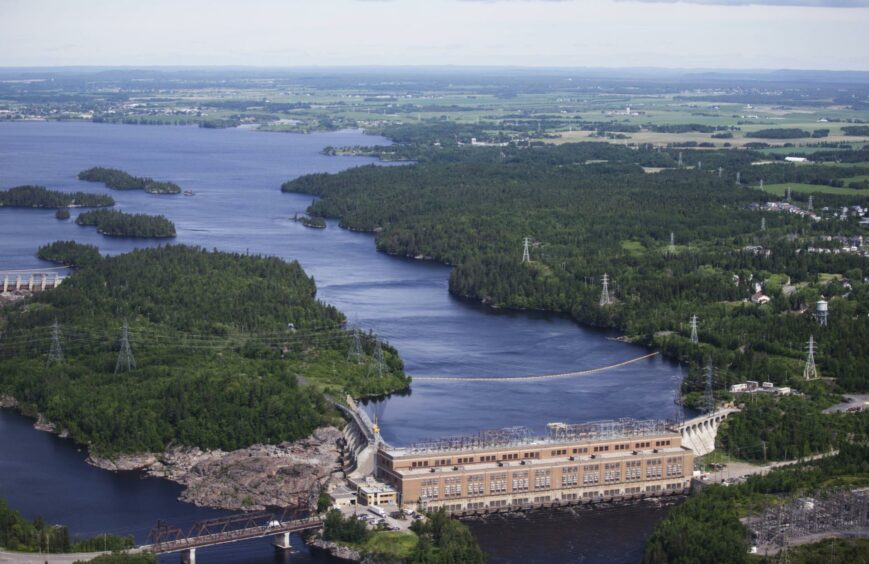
29	280
698	433
167	539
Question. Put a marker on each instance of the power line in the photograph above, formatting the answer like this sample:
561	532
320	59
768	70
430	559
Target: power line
126	362
55	354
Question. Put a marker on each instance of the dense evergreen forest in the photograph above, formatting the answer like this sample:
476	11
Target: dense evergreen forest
706	528
116	223
227	350
39	197
120	180
589	209
20	535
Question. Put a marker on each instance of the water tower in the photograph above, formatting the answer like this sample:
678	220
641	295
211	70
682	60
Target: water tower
821	312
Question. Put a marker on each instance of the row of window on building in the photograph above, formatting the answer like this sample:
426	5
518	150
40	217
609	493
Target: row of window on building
536	454
607	493
542	478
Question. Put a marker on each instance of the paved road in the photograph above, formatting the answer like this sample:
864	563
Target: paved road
738	469
32	558
856	401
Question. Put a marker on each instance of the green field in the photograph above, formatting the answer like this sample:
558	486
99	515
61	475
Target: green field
780	189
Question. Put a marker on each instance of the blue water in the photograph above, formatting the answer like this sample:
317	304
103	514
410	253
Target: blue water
236	175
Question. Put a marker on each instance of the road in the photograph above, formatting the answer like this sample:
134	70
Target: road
36	558
735	470
856	400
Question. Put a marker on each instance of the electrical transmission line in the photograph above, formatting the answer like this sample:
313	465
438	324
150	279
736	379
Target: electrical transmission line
55	354
355	354
126	362
694	338
378	364
605	298
810	372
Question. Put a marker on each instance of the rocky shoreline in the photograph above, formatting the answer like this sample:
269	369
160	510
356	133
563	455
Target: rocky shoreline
251	478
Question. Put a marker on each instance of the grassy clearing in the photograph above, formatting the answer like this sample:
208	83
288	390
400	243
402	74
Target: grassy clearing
388	545
780	189
634	248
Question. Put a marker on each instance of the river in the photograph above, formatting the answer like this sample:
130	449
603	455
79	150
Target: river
236	176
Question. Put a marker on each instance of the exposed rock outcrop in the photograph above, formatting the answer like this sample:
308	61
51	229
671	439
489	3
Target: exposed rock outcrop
251	478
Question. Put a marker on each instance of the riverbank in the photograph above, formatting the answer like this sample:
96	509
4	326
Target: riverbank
252	478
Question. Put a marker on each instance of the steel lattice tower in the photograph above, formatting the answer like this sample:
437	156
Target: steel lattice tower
708	394
811	201
694	338
126	362
526	253
55	354
761	183
737	178
355	354
810	372
763	224
672	248
378	364
605	298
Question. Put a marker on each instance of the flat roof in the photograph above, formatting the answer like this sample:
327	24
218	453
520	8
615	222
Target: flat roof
535	463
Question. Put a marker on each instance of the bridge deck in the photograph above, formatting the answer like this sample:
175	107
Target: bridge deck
214	539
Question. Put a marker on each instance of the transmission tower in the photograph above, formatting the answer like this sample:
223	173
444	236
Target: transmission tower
763	224
355	354
720	170
55	354
708	394
605	298
788	195
694	338
761	183
378	365
737	178
699	165
526	254
810	372
126	362
680	159
811	201
672	243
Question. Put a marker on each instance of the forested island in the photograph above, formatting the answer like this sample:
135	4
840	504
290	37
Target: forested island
40	197
227	350
115	223
120	180
589	209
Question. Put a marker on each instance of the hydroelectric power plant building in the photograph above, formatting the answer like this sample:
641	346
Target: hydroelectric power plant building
510	469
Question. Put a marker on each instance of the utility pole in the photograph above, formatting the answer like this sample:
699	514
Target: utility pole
699	165
526	252
737	178
709	395
763	224
694	338
379	364
605	299
680	159
355	354
720	170
810	372
126	362
788	195
811	202
672	248
55	354
761	184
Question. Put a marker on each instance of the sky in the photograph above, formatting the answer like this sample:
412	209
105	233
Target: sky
725	34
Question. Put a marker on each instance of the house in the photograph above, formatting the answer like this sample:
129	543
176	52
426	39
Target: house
739	388
760	298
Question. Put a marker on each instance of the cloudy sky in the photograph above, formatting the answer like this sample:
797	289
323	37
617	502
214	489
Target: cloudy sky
803	34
